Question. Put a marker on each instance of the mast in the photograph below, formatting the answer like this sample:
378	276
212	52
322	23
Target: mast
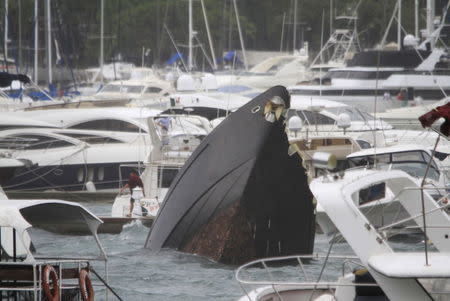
102	8
191	34
282	32
36	40
6	33
294	43
49	42
240	34
416	18
19	3
399	25
213	55
430	20
331	17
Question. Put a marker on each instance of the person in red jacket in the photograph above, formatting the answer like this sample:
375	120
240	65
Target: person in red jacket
133	181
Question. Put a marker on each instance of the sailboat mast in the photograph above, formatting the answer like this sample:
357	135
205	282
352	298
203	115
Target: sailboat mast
49	43
102	12
6	32
191	34
430	19
36	40
331	17
399	25
294	39
416	18
213	55
282	32
19	3
240	34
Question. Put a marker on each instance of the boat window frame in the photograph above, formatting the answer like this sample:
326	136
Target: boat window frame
370	161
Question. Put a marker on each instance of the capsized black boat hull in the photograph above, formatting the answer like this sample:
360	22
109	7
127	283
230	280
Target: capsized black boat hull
240	196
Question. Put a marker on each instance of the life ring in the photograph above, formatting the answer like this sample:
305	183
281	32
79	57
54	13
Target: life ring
48	273
86	289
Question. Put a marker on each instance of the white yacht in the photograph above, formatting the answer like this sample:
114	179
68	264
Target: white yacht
323	115
88	152
278	70
169	152
149	91
415	160
381	79
379	271
120	119
68	160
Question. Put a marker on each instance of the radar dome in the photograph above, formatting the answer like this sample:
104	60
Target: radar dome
295	123
410	41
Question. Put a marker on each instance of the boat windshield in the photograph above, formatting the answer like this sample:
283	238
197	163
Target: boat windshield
122	89
412	162
354	114
312	117
32	142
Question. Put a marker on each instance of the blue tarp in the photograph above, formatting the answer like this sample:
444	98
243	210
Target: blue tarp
229	56
174	58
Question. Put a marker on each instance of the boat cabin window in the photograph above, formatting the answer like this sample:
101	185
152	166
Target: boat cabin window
153	90
312	118
354	74
92	139
364	144
412	162
107	125
111	88
122	89
166	175
208	112
29	142
372	193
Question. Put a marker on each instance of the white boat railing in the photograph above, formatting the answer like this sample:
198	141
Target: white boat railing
264	273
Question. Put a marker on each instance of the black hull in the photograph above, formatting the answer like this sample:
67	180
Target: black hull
240	196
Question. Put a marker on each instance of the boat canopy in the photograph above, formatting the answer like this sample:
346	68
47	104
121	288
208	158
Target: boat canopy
19	216
46	214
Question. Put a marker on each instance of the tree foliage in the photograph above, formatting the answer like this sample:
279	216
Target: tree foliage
134	25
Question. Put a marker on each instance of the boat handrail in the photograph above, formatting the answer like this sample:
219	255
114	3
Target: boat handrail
293	259
36	268
402	221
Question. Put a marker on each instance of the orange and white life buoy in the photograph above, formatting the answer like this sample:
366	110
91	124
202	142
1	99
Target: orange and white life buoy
86	289
49	273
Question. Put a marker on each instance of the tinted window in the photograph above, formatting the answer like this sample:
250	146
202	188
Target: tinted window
311	117
372	193
360	74
36	142
92	139
122	89
315	118
166	176
107	125
363	144
153	90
